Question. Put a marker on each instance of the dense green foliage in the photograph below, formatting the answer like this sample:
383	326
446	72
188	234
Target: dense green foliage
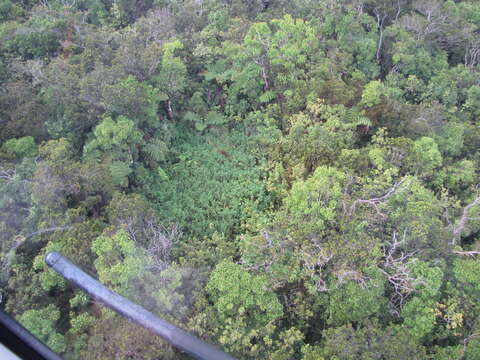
284	179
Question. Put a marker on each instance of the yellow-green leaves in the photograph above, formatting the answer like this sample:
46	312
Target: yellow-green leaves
18	148
116	142
312	204
372	93
426	156
419	313
236	292
118	260
354	302
171	79
114	135
467	272
42	324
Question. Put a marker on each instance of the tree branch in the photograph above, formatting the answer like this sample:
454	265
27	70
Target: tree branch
468	253
56	228
457	231
374	202
395	268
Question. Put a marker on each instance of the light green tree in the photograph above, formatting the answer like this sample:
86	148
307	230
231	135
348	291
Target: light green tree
355	302
312	204
21	147
235	291
171	79
419	312
116	142
42	323
119	260
426	157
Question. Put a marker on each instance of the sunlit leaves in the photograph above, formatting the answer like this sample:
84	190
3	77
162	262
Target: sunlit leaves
419	313
42	323
312	204
118	260
21	147
235	292
354	301
427	157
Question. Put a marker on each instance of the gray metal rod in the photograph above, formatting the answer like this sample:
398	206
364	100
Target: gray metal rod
22	342
174	335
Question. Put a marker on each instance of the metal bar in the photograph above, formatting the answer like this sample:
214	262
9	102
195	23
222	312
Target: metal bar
174	335
21	341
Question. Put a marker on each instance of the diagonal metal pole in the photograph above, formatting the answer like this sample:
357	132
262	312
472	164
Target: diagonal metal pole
174	335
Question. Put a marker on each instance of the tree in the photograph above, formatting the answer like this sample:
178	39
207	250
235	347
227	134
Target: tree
243	313
59	181
119	260
357	37
415	213
42	323
9	10
118	337
277	53
426	156
419	312
21	147
41	42
356	301
126	12
235	292
22	114
172	75
370	341
411	57
132	99
313	203
116	142
317	136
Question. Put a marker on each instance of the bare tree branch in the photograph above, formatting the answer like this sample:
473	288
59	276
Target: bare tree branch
55	228
374	202
161	242
395	268
457	231
7	174
468	253
380	23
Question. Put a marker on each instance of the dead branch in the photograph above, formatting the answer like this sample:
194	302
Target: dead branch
346	275
472	54
345	192
55	228
468	253
395	268
7	174
161	242
468	339
374	202
380	24
315	259
457	231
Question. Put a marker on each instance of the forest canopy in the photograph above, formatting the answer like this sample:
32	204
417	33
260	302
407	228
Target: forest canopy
285	179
